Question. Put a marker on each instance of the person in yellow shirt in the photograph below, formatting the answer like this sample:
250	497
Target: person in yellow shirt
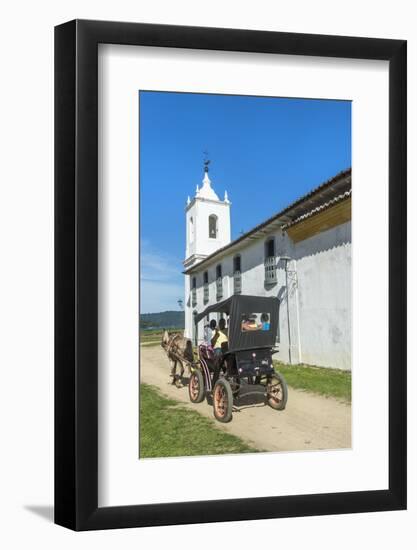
220	337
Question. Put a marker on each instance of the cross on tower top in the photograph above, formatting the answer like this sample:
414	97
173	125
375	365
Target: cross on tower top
206	162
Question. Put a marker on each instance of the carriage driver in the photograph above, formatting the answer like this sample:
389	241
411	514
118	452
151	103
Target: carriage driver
219	338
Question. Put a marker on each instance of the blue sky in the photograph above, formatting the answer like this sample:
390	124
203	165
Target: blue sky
266	152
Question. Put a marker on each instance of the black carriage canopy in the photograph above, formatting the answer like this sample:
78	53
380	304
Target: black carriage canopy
252	323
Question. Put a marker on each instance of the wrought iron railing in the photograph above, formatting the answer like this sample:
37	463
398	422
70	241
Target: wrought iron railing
270	270
237	282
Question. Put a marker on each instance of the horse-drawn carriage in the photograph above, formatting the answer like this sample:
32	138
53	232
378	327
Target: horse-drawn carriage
244	367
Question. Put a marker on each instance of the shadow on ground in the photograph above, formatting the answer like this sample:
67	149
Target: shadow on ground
45	512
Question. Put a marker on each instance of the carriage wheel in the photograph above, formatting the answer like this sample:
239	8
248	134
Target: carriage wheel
222	401
277	391
196	387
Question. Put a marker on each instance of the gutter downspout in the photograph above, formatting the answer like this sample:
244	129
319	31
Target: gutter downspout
297	308
286	259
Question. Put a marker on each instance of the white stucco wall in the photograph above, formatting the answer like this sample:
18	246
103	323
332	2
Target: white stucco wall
324	294
319	283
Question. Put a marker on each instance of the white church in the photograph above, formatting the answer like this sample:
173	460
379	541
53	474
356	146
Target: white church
302	255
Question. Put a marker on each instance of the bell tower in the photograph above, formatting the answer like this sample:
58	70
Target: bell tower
207	222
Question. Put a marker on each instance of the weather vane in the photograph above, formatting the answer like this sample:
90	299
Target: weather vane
206	161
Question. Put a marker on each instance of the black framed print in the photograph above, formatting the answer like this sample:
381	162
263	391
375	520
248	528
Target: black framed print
230	275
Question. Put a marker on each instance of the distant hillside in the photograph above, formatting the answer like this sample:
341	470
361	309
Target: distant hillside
164	319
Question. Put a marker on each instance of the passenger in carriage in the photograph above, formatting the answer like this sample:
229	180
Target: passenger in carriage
266	323
209	332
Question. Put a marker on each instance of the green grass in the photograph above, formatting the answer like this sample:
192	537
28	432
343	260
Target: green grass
324	381
149	343
150	335
168	429
153	337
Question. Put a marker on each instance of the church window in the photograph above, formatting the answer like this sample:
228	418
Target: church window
270	262
213	229
191	230
219	282
270	248
206	287
236	263
237	275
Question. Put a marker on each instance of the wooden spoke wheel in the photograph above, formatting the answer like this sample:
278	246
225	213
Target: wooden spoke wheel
277	391
222	401
196	387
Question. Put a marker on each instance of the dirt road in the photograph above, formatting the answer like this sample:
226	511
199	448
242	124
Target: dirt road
309	422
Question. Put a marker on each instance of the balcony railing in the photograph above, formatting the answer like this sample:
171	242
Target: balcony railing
270	270
194	297
219	288
237	282
206	293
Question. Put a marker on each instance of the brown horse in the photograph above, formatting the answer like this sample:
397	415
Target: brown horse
179	350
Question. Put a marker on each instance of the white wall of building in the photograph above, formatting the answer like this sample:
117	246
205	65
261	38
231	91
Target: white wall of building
324	295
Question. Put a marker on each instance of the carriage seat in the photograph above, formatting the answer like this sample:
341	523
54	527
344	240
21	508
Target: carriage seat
206	352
